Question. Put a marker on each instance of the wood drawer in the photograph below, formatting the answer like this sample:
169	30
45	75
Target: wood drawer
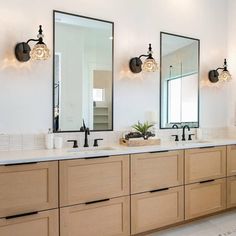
86	180
205	198
105	218
231	160
28	187
157	209
151	171
44	223
231	192
204	164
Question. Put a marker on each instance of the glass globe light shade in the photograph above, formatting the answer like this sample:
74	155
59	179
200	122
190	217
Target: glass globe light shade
40	52
149	65
225	76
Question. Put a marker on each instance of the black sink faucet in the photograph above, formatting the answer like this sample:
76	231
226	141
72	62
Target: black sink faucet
183	135
175	126
86	133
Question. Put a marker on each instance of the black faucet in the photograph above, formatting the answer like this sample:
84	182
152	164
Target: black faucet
75	143
86	133
175	126
183	135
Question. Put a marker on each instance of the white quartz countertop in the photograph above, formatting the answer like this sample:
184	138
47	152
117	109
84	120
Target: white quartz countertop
27	156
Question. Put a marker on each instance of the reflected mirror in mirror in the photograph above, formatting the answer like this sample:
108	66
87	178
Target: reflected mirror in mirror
83	73
179	81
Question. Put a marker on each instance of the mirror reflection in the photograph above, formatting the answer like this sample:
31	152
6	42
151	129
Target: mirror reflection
83	73
179	81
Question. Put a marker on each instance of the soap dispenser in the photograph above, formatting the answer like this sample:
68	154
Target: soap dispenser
49	139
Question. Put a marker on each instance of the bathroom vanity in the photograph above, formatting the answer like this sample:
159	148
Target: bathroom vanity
121	191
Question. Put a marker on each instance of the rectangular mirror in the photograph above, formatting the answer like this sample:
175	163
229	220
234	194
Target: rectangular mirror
179	81
83	73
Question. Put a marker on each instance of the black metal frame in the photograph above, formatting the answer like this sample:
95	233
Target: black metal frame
160	102
53	94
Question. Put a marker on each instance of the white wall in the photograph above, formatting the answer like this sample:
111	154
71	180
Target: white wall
26	89
232	62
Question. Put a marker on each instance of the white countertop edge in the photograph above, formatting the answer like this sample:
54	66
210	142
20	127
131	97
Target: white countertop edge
28	156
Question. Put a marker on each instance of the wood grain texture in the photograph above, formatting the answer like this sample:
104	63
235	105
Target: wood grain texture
231	192
231	160
89	180
206	198
109	218
27	188
205	164
155	210
150	171
44	223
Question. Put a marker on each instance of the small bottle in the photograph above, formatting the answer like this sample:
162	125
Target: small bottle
49	139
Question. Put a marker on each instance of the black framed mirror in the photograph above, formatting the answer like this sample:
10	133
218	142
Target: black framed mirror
179	80
83	56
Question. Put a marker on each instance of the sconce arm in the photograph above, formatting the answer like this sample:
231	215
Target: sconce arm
219	68
143	56
35	40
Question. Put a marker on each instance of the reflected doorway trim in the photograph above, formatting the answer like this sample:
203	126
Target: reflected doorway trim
53	61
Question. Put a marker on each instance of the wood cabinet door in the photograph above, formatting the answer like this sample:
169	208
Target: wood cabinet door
101	218
231	192
153	210
85	180
231	160
44	223
204	164
28	187
205	198
150	171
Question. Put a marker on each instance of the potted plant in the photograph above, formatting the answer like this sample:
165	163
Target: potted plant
143	129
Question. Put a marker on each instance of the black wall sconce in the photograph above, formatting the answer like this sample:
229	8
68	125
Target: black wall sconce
136	65
224	76
40	51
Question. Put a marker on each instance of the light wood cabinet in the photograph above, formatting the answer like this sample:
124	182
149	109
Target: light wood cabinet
44	223
204	164
150	171
85	180
231	160
153	210
231	192
205	198
105	218
28	187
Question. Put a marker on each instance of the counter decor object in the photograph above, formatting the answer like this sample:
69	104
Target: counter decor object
49	139
141	137
143	129
58	142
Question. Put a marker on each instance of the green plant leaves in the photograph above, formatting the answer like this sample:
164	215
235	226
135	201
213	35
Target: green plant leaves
142	128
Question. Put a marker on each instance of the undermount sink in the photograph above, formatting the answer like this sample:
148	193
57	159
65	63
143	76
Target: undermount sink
91	149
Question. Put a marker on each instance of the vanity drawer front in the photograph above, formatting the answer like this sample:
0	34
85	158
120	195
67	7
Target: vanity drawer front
105	218
231	192
44	223
151	171
204	164
28	187
85	180
231	160
205	198
153	210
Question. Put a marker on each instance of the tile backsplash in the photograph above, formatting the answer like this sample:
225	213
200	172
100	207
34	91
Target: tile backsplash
14	142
